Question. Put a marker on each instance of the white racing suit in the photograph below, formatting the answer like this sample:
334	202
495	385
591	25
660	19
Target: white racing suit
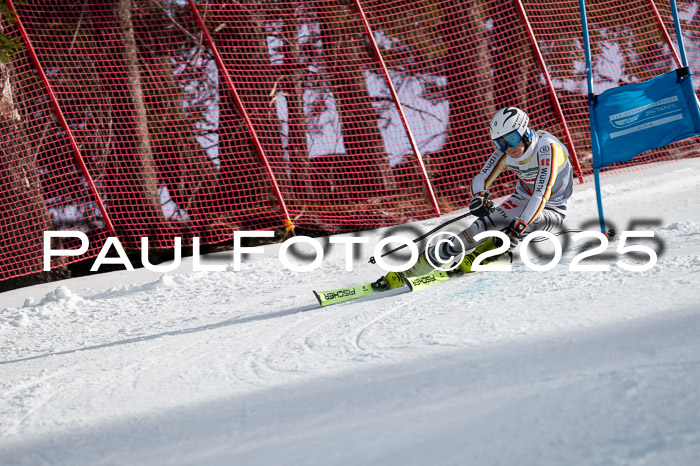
545	183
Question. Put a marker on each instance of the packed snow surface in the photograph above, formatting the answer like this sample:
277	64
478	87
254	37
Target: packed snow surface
243	367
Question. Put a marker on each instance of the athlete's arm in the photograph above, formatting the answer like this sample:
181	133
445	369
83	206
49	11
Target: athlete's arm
492	168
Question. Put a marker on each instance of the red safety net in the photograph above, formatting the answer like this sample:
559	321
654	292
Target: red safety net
199	118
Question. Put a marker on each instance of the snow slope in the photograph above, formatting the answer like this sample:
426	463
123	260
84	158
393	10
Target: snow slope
227	367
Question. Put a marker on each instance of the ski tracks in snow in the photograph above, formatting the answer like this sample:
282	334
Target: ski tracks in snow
81	363
322	341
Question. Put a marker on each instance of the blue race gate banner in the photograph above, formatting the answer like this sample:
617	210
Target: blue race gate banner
634	118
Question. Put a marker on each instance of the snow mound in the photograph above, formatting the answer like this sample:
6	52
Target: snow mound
682	228
57	304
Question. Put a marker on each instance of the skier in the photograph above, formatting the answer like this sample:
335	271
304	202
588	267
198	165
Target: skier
545	182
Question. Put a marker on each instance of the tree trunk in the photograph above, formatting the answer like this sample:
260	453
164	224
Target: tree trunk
470	93
187	170
509	49
23	213
292	79
347	59
132	180
244	51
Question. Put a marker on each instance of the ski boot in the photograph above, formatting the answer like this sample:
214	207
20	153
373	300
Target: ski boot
466	264
388	282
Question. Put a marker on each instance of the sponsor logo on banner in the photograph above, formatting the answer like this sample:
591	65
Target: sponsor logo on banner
646	116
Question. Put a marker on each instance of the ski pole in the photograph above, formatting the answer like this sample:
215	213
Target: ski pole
372	260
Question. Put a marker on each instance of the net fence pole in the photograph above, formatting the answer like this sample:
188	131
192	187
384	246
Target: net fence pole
679	33
289	225
664	33
399	107
550	86
595	146
62	120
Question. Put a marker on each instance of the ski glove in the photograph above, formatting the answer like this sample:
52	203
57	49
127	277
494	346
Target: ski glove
515	231
481	204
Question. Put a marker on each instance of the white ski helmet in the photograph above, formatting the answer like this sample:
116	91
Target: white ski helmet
508	126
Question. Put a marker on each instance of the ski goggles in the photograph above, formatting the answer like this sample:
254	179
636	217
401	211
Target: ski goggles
511	139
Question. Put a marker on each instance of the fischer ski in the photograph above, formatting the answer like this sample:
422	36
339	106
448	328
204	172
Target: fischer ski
326	298
423	281
390	281
394	280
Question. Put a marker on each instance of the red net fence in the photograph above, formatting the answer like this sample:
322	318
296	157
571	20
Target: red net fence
184	118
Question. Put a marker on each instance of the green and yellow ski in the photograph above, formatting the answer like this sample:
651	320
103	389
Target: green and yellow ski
326	298
391	281
394	280
424	281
